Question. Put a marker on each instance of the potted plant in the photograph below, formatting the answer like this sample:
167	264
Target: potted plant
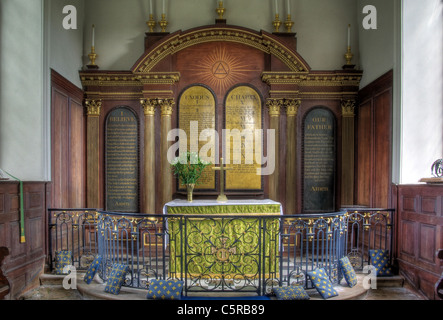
188	168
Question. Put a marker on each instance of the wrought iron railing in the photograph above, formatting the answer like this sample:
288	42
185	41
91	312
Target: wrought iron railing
74	230
212	253
368	228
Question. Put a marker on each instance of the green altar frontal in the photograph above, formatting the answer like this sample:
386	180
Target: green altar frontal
241	241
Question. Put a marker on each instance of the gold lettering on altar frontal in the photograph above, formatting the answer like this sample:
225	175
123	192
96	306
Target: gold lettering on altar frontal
243	116
197	107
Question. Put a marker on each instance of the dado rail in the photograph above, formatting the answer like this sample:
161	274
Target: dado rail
219	253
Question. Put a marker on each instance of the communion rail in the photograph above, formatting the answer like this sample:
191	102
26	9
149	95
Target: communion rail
212	253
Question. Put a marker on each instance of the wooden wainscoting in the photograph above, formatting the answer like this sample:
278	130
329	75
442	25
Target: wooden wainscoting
25	261
420	235
68	144
373	150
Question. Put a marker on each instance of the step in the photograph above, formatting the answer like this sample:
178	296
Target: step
390	282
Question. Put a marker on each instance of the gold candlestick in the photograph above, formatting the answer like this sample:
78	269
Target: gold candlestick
220	10
151	23
277	22
163	23
349	56
289	23
92	57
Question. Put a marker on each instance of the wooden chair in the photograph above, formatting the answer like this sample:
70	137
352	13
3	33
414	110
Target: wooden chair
439	284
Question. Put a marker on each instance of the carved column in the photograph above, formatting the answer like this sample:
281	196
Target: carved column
292	106
166	124
274	106
93	110
149	157
348	118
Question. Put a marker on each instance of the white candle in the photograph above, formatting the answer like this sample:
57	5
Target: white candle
289	7
164	11
276	6
349	35
93	35
151	10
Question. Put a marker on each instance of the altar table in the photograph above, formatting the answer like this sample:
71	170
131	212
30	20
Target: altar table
240	242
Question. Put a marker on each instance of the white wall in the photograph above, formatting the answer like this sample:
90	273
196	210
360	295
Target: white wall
21	89
33	40
65	46
422	98
377	46
321	26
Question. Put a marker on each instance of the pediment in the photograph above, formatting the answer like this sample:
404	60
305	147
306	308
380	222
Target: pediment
263	41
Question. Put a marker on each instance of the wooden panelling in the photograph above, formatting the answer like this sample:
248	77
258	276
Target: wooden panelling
374	130
382	148
25	261
427	246
363	155
420	235
68	144
408	244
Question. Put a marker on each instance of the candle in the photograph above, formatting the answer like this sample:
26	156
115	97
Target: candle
289	7
164	11
276	6
349	35
93	35
151	11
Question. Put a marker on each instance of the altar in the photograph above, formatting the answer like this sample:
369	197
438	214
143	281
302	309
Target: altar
220	241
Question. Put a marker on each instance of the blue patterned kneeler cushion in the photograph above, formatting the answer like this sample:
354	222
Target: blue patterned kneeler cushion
291	293
92	270
348	271
116	278
62	259
380	260
165	290
321	282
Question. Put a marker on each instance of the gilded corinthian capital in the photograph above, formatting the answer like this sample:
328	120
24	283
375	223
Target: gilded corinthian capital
93	108
348	108
166	106
292	106
274	106
149	106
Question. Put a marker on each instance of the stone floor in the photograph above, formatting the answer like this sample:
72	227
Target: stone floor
52	289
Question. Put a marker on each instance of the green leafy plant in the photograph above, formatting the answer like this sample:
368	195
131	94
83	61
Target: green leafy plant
188	167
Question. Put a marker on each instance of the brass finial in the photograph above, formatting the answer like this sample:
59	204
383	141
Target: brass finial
220	10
